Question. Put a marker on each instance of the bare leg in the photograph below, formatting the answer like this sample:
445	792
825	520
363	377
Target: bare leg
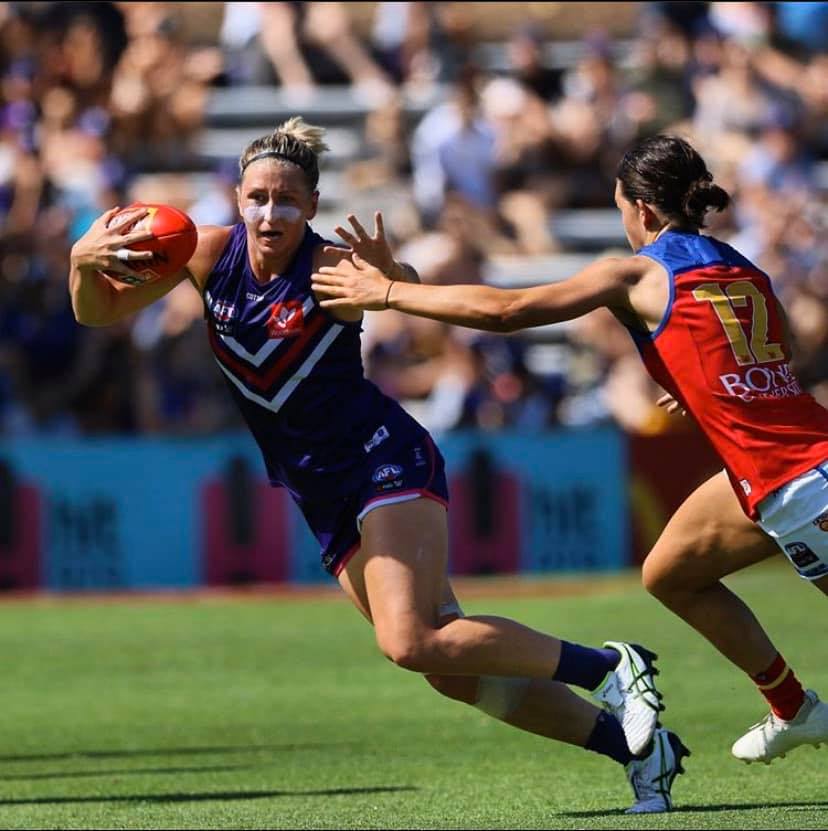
401	569
707	538
544	707
279	42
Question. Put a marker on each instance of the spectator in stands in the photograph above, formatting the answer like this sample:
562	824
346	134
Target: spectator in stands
95	95
658	95
732	99
528	162
527	63
299	45
158	95
453	151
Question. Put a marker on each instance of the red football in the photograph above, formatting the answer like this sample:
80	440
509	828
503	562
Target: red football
174	241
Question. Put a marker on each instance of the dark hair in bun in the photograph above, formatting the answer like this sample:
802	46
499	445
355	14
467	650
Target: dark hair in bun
667	173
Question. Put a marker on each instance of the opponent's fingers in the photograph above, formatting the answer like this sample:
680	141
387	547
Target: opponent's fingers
327	280
330	291
361	232
335	249
337	270
361	266
347	236
339	301
379	225
665	399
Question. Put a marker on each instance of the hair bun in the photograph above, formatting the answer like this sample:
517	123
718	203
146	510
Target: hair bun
666	172
702	195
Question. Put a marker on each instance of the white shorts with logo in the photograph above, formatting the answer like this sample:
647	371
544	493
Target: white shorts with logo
796	516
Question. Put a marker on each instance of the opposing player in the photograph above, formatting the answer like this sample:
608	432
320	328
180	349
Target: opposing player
367	477
712	334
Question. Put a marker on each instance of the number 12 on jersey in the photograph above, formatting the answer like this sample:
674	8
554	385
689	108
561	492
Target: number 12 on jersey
758	350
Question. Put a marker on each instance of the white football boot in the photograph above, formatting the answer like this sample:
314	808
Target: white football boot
773	737
629	693
652	777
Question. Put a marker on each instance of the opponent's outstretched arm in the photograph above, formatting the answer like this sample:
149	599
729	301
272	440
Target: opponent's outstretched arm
359	285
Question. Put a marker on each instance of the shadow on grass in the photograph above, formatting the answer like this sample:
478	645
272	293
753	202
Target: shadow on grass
167	751
702	809
85	774
203	797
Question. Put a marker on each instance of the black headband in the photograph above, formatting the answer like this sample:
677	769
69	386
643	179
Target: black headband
272	154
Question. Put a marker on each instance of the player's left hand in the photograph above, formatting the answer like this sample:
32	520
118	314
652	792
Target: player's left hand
352	284
372	248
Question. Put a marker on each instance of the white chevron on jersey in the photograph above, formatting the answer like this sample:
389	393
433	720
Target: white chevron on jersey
268	347
275	404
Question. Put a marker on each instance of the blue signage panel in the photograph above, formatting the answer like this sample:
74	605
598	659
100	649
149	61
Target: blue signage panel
130	513
572	486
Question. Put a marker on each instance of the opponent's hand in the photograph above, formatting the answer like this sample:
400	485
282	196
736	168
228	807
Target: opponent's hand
373	249
105	249
352	284
671	404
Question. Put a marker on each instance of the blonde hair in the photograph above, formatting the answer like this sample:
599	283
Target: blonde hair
295	141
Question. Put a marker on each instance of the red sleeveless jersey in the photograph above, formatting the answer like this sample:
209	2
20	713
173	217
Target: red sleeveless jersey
721	352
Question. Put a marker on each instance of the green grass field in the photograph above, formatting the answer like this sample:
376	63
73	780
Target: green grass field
258	712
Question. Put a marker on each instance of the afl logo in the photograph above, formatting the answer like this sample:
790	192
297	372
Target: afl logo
821	522
385	474
224	312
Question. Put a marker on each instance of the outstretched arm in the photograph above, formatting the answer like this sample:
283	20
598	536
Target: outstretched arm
359	285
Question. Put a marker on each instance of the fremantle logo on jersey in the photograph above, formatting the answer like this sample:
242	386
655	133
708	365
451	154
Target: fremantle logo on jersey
287	319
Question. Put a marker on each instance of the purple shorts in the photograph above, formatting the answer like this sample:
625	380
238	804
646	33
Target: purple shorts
396	475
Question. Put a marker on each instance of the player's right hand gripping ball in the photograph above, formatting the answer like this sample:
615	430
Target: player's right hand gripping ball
174	237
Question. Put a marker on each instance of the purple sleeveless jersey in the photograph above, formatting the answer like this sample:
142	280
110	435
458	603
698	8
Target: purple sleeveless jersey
327	434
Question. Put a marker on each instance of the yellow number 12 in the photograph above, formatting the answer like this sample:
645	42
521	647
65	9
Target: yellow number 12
759	351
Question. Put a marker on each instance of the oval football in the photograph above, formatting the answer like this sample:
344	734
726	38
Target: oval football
174	241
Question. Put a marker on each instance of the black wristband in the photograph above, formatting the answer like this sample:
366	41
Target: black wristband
388	293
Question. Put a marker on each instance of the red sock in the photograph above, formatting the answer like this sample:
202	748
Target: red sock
781	688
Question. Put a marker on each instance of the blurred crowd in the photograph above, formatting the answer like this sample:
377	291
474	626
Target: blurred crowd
95	95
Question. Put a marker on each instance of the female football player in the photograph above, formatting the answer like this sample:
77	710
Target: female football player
712	334
367	477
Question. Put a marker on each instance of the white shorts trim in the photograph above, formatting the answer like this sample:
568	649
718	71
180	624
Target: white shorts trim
392	499
796	516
